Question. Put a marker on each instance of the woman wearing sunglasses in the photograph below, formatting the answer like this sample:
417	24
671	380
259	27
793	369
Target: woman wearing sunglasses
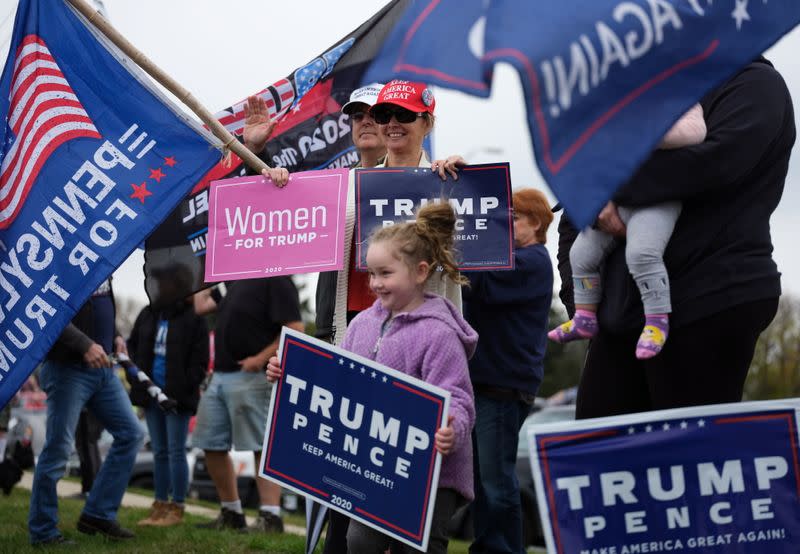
404	114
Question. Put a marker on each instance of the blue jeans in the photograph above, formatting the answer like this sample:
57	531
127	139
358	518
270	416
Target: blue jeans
497	510
70	387
168	434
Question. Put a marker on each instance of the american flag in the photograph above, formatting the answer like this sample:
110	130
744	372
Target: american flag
43	114
279	98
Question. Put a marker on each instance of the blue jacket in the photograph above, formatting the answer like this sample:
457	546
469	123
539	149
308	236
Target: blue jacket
509	310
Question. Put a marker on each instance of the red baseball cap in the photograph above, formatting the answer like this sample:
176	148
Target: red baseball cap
416	97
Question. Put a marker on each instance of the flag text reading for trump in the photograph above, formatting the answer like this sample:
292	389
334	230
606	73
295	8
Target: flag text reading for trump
603	79
92	160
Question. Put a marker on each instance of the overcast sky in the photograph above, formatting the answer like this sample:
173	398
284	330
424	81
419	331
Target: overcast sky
224	51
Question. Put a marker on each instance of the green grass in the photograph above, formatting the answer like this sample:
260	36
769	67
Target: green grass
173	540
180	539
297	518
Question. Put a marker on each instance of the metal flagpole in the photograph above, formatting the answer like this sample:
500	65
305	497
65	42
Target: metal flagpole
316	514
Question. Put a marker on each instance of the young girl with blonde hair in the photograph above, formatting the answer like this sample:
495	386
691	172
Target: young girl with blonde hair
422	335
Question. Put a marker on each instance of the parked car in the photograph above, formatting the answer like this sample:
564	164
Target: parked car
531	522
29	408
142	473
461	524
202	487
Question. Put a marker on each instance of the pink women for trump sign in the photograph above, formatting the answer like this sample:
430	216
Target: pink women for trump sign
256	229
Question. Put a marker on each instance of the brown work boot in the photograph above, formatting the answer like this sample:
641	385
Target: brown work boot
157	512
173	515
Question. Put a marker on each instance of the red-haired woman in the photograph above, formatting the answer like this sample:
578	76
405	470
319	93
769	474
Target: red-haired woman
509	310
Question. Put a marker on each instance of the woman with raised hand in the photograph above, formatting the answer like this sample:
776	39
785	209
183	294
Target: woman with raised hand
404	114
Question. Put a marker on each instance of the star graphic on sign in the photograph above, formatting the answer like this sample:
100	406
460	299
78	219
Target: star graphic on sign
157	175
296	108
374	374
352	365
701	423
363	370
648	428
740	13
170	162
684	425
665	427
140	192
383	378
341	361
631	430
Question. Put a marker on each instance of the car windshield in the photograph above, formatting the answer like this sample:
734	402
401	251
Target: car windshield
547	415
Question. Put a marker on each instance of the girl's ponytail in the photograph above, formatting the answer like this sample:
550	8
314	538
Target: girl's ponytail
429	239
436	223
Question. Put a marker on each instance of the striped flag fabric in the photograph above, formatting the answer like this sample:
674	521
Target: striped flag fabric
44	113
92	158
278	97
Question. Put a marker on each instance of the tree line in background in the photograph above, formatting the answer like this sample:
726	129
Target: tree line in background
775	370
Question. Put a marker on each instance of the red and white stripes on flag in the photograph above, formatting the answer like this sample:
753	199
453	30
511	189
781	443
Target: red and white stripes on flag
278	97
43	114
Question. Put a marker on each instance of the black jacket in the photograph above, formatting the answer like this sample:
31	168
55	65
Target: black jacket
187	354
720	253
326	294
500	305
326	302
75	339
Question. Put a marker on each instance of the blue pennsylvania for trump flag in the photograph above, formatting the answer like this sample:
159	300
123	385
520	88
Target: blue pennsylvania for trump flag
92	159
603	79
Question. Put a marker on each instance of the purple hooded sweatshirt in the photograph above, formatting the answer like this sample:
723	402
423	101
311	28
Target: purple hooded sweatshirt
431	343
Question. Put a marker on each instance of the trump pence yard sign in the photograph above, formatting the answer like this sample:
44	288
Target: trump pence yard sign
356	436
711	479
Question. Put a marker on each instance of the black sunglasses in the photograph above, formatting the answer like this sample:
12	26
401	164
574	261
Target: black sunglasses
359	116
383	114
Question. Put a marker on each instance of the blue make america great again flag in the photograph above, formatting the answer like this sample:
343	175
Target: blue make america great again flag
92	159
603	80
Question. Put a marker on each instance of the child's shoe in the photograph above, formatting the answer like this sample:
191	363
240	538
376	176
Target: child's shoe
582	326
653	337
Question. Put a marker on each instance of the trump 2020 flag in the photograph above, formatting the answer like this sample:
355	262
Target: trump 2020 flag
92	160
603	79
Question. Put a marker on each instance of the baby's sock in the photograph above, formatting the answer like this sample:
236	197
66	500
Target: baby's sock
582	326
653	337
